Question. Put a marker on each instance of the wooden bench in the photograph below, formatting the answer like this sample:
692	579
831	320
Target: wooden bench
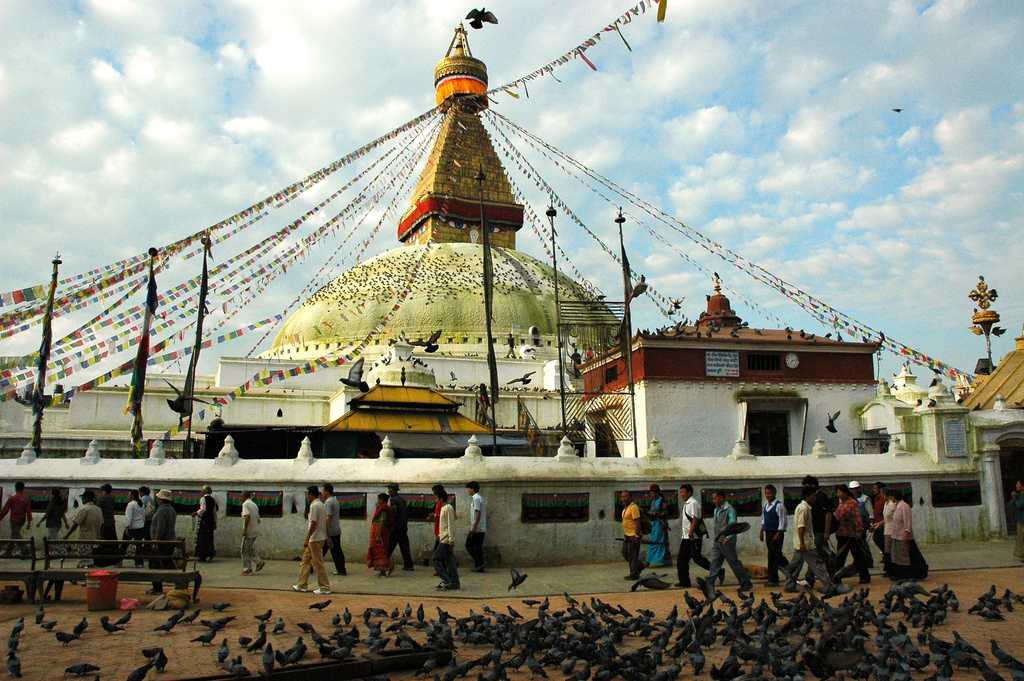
18	563
161	561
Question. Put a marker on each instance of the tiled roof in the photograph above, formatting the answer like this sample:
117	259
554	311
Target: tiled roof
1007	380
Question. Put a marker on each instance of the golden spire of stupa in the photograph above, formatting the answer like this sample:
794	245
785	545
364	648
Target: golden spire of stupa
446	202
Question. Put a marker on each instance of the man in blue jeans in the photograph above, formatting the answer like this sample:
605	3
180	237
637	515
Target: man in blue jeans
724	547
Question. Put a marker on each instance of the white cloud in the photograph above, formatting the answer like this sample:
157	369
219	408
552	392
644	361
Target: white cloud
965	133
812	132
713	127
80	138
246	125
911	137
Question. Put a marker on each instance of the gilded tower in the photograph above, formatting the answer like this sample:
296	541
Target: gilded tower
445	206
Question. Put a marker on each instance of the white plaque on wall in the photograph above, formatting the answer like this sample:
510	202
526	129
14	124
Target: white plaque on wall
722	363
954	432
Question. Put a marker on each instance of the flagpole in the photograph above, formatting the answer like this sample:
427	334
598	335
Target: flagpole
190	377
627	322
551	213
492	362
138	384
39	399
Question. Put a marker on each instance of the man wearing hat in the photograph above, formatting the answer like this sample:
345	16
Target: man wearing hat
163	528
400	529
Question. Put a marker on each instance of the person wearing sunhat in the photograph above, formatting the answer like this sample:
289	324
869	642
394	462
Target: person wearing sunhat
163	528
400	526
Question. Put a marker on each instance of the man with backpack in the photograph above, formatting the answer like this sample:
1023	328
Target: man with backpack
692	533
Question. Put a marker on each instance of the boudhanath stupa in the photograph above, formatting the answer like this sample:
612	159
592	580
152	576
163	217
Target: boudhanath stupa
718	403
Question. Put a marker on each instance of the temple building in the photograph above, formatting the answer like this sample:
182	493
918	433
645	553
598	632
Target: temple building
721	385
718	403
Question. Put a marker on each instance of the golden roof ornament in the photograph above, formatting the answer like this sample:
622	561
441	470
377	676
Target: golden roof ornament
459	75
984	321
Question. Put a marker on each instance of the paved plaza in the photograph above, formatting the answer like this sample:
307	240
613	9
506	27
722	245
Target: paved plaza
596	578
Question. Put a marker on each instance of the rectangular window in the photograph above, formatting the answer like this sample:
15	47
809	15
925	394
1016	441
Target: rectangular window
761	361
768	433
611	373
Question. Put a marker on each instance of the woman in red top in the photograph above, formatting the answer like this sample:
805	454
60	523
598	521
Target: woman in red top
850	535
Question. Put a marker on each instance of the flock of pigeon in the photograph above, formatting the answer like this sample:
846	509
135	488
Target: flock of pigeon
786	639
448	272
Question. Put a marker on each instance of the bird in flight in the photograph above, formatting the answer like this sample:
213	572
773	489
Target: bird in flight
831	425
477	17
355	377
524	379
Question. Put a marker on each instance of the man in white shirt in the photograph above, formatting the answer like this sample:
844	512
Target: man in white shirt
477	526
689	547
444	553
250	531
803	545
313	551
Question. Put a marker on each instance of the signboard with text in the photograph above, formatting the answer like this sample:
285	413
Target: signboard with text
954	432
722	363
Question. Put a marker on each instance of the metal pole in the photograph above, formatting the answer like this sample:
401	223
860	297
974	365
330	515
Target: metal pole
492	362
628	323
558	318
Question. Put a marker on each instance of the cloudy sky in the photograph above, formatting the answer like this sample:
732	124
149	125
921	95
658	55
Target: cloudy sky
766	125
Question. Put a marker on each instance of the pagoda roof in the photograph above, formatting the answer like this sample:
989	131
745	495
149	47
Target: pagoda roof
404	409
1006	381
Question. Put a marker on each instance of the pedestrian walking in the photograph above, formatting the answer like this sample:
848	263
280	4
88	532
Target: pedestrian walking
88	519
805	553
906	558
631	533
20	509
149	506
1017	501
250	532
773	533
693	533
724	549
206	516
134	517
822	507
657	547
888	511
135	522
864	502
444	551
877	519
377	555
435	517
333	544
105	501
850	534
163	528
477	526
400	527
56	514
312	551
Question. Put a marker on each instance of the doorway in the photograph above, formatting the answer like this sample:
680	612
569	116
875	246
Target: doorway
1011	465
768	433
